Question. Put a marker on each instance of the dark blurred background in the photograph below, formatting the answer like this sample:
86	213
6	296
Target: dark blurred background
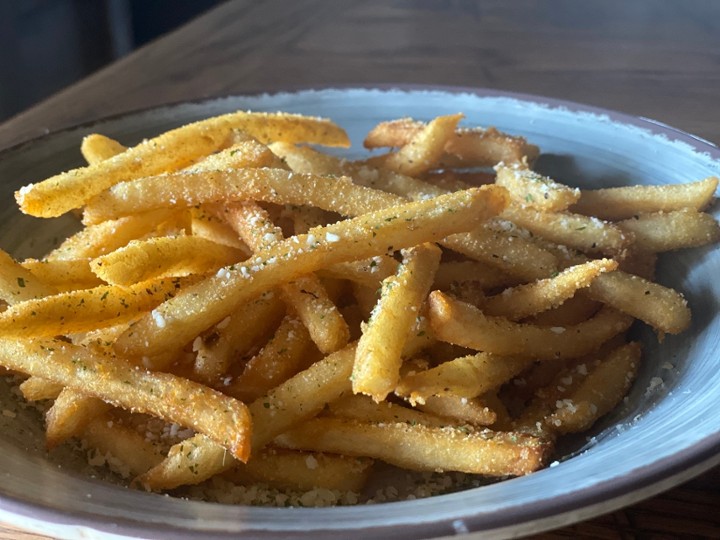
46	45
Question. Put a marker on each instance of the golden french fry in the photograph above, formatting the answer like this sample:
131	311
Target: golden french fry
675	229
170	151
188	462
205	224
282	357
69	415
463	324
421	447
369	272
96	240
224	419
364	408
628	201
425	148
599	392
462	410
664	309
472	147
249	325
306	295
466	377
199	306
163	257
379	354
87	309
586	234
530	189
451	273
525	300
187	189
303	471
132	449
63	274
38	389
96	148
18	284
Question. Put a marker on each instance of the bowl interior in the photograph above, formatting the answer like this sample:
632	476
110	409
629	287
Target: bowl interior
660	430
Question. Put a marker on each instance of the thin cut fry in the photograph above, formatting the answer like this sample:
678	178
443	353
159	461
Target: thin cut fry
69	415
530	189
96	148
115	381
628	201
667	231
463	324
170	151
378	358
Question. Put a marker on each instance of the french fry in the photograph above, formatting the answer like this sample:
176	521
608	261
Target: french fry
170	151
18	284
63	274
599	392
163	257
525	300
530	189
303	471
224	419
197	307
664	309
69	415
463	324
132	449
248	326
628	201
676	229
453	272
96	240
461	410
425	148
364	408
423	448
379	354
369	272
96	148
205	224
586	234
38	389
88	309
472	147
187	189
467	376
306	294
282	357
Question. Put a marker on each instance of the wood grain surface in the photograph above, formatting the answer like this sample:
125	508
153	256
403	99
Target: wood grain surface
654	58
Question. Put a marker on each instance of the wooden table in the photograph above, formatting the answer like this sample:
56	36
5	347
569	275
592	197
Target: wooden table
652	58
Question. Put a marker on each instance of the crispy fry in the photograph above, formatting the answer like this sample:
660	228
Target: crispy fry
628	201
379	353
88	309
364	408
96	148
69	415
467	376
472	147
463	324
423	448
462	410
18	284
163	257
525	300
38	389
63	274
115	381
425	148
530	189
170	151
676	229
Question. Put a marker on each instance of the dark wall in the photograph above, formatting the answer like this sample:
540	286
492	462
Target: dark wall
46	45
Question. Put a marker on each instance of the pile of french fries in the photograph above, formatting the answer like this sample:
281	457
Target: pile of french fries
291	317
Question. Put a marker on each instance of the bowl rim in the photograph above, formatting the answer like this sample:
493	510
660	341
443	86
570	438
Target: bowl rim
601	497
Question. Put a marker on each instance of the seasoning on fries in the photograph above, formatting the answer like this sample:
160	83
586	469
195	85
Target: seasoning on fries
287	320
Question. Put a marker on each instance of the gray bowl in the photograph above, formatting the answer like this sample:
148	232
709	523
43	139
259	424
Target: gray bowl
659	438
